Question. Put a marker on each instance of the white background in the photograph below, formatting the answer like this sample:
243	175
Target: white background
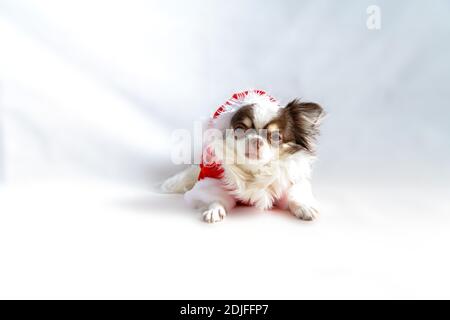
90	92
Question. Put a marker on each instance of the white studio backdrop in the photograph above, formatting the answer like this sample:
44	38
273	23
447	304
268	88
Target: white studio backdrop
93	90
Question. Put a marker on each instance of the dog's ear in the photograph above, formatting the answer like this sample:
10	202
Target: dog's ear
303	120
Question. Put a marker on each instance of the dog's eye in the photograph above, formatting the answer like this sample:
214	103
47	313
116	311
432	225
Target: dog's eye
275	137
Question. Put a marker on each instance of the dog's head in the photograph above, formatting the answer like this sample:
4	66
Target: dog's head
262	135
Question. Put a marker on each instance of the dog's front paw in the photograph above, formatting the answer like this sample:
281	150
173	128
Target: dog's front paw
303	212
215	213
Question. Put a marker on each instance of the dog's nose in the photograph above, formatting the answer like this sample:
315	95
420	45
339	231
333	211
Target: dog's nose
257	142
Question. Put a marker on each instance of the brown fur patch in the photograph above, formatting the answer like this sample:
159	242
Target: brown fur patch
243	118
299	125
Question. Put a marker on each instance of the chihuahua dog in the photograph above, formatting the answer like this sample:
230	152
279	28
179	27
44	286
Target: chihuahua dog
256	152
